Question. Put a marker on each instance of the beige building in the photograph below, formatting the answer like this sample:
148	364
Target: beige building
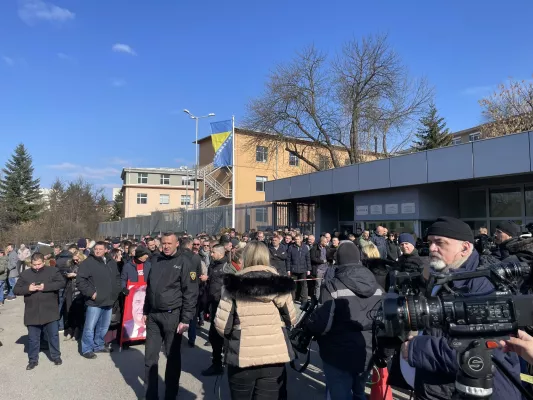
259	158
157	189
467	135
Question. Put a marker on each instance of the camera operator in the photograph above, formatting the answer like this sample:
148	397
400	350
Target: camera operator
521	345
505	232
435	363
343	325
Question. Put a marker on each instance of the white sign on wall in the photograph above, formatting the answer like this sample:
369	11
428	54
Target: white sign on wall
408	208
376	209
361	210
391	208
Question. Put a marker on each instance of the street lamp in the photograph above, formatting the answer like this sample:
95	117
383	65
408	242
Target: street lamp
197	151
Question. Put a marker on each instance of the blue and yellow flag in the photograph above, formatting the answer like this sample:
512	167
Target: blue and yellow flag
222	140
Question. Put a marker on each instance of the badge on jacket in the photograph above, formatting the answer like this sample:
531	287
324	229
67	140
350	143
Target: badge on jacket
193	276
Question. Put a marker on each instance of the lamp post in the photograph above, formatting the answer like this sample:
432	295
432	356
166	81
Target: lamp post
196	153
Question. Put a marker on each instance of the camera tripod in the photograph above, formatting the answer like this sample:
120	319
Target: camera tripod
474	379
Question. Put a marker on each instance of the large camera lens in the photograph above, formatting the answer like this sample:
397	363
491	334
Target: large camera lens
402	314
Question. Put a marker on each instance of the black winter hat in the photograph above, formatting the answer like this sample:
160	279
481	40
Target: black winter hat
510	228
115	241
347	253
452	228
141	251
235	242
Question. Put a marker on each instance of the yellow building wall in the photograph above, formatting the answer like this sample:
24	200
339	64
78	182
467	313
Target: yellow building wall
276	167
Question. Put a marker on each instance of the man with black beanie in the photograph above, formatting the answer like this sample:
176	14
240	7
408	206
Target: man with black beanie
452	250
505	232
343	324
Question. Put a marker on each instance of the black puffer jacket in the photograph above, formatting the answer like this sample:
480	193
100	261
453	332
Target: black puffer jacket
411	262
102	278
40	307
343	323
215	280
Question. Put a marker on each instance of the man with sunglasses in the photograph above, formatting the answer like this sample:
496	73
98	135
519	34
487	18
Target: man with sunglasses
505	232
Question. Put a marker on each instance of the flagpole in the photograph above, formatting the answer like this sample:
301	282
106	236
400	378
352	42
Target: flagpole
233	222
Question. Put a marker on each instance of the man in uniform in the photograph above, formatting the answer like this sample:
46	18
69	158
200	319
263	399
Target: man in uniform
170	305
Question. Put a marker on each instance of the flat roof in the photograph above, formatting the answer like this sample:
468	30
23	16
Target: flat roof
163	170
467	161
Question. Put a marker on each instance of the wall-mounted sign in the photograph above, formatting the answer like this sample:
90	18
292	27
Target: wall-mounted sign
361	210
408	208
376	209
391	208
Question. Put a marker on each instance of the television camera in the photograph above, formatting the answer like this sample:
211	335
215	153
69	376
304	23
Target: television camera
474	324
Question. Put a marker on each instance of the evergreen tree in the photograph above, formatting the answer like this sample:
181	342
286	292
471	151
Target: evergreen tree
19	191
118	207
433	132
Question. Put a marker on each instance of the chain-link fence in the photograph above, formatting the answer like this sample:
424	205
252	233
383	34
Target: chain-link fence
260	216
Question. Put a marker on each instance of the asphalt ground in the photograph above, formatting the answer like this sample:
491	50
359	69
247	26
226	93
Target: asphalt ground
119	375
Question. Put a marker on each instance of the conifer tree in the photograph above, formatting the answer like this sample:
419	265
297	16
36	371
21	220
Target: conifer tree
433	132
19	191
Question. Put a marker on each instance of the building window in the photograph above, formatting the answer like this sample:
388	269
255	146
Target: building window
142	178
260	183
293	159
261	214
164	179
164	199
323	163
142	198
505	203
472	204
456	141
185	200
474	136
261	154
187	180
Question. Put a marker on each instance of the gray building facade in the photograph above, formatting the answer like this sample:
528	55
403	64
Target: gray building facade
482	182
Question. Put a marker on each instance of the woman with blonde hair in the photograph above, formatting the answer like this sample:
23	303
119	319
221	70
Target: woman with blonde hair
370	251
253	315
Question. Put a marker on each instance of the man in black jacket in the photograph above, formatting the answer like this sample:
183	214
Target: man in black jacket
215	283
170	304
40	285
299	266
98	280
343	324
278	255
319	265
505	232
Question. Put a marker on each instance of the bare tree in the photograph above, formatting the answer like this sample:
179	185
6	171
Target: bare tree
509	109
340	106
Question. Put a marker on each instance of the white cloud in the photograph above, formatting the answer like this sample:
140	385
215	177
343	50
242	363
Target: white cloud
63	166
478	90
117	82
119	161
66	57
32	11
74	170
123	48
8	60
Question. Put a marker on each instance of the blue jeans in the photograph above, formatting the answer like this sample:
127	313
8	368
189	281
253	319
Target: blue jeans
2	284
343	385
61	302
97	320
34	340
12	282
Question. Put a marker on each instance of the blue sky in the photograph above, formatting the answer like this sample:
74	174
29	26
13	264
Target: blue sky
91	86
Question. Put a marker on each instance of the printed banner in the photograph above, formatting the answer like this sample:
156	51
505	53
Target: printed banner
133	327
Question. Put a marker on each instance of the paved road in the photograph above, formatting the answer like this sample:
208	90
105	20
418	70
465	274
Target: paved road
115	376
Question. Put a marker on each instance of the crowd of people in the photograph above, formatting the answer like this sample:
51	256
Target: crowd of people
247	286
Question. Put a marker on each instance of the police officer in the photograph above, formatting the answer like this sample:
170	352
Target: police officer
170	305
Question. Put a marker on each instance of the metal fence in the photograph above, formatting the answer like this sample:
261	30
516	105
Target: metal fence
259	216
